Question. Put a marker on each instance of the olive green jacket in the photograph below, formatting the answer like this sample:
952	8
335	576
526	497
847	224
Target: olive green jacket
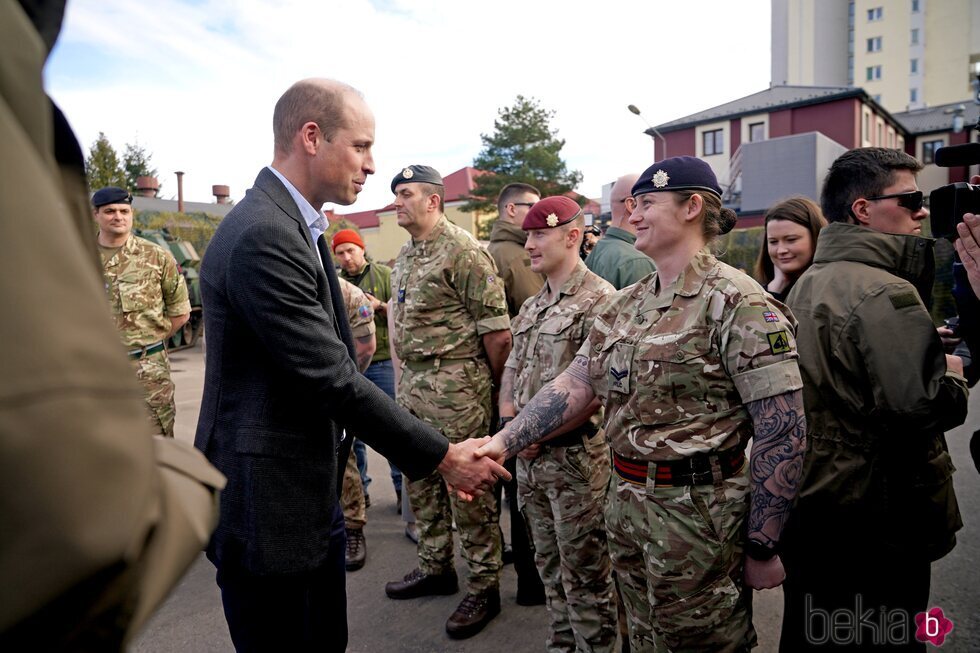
513	264
375	278
99	520
616	260
878	395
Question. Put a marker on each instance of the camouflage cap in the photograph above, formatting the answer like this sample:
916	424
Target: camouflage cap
111	195
417	174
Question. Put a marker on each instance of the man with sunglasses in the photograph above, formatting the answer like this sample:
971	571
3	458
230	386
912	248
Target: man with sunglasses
876	504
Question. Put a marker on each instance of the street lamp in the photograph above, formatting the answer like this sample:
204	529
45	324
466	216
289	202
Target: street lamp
636	112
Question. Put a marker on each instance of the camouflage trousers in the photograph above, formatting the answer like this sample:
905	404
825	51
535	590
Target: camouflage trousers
561	493
352	495
455	399
678	555
153	372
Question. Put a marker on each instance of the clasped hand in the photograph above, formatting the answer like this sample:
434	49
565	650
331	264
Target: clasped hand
469	471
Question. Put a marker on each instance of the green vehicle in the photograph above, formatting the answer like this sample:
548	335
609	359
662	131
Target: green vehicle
188	261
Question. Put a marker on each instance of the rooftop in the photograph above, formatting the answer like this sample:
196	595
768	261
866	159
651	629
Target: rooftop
935	119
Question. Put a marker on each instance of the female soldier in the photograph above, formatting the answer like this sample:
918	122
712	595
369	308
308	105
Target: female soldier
690	362
792	227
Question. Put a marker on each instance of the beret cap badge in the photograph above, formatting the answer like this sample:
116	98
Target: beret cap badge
552	220
660	179
407	173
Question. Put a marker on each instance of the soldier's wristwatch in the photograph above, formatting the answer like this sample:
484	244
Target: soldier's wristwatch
502	422
759	551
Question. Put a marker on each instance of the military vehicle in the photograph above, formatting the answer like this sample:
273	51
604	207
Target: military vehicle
188	261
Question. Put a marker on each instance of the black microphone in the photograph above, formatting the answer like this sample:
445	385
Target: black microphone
953	156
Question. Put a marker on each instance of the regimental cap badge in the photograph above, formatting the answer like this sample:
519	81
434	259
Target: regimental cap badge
407	173
660	179
552	220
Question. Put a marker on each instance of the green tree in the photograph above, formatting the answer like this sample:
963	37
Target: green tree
136	163
102	167
522	148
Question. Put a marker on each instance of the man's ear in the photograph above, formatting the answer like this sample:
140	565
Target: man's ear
859	211
432	203
309	137
573	237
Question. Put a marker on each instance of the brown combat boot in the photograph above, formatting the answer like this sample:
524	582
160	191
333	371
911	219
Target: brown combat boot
417	584
475	612
356	553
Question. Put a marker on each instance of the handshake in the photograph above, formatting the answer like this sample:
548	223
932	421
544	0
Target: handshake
473	466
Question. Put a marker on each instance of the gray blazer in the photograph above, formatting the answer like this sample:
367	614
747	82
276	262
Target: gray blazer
280	385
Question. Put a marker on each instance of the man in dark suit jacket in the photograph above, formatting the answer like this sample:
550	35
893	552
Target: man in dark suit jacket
281	384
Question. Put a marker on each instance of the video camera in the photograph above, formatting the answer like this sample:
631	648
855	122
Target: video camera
947	204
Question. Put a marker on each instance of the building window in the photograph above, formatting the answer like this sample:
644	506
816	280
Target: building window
915	6
929	150
915	36
714	142
866	128
914	66
913	95
874	44
874	14
873	73
757	132
877	98
880	134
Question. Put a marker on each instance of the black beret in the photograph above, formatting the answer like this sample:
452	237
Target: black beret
418	175
551	212
111	195
677	173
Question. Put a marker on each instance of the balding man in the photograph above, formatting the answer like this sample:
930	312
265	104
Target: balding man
614	257
282	386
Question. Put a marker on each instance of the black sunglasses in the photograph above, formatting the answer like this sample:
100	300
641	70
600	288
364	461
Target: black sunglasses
527	204
912	200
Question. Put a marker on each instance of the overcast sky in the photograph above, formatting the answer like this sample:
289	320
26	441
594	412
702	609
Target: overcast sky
195	82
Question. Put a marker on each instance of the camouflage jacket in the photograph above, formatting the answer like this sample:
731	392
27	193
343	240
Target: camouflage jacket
549	331
675	366
447	295
145	290
359	311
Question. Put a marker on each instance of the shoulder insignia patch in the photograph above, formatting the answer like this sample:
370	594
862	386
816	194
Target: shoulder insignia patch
778	342
903	299
770	316
364	311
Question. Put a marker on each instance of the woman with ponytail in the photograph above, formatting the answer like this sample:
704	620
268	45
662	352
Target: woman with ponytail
689	363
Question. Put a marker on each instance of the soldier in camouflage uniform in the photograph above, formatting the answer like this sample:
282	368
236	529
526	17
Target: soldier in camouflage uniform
450	332
562	481
690	363
361	318
147	296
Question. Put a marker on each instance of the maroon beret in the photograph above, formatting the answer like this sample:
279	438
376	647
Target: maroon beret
551	212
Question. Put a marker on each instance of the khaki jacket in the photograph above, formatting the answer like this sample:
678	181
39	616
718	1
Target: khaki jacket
878	395
98	520
514	265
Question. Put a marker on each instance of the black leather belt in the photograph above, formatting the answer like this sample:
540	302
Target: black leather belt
695	470
573	438
142	352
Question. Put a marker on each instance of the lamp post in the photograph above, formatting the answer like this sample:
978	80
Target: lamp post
636	112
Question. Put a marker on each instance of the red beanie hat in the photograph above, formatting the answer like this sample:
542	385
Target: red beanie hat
347	236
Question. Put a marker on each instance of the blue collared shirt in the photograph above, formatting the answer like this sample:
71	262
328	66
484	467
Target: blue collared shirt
315	221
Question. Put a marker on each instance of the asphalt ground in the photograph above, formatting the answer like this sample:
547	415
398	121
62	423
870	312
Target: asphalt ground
191	620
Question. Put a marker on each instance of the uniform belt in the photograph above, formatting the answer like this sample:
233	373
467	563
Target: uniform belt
432	363
573	438
136	354
696	470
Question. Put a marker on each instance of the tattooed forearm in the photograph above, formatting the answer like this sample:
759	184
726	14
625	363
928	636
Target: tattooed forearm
505	403
776	464
555	403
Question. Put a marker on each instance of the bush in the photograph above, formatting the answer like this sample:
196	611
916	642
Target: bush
196	228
